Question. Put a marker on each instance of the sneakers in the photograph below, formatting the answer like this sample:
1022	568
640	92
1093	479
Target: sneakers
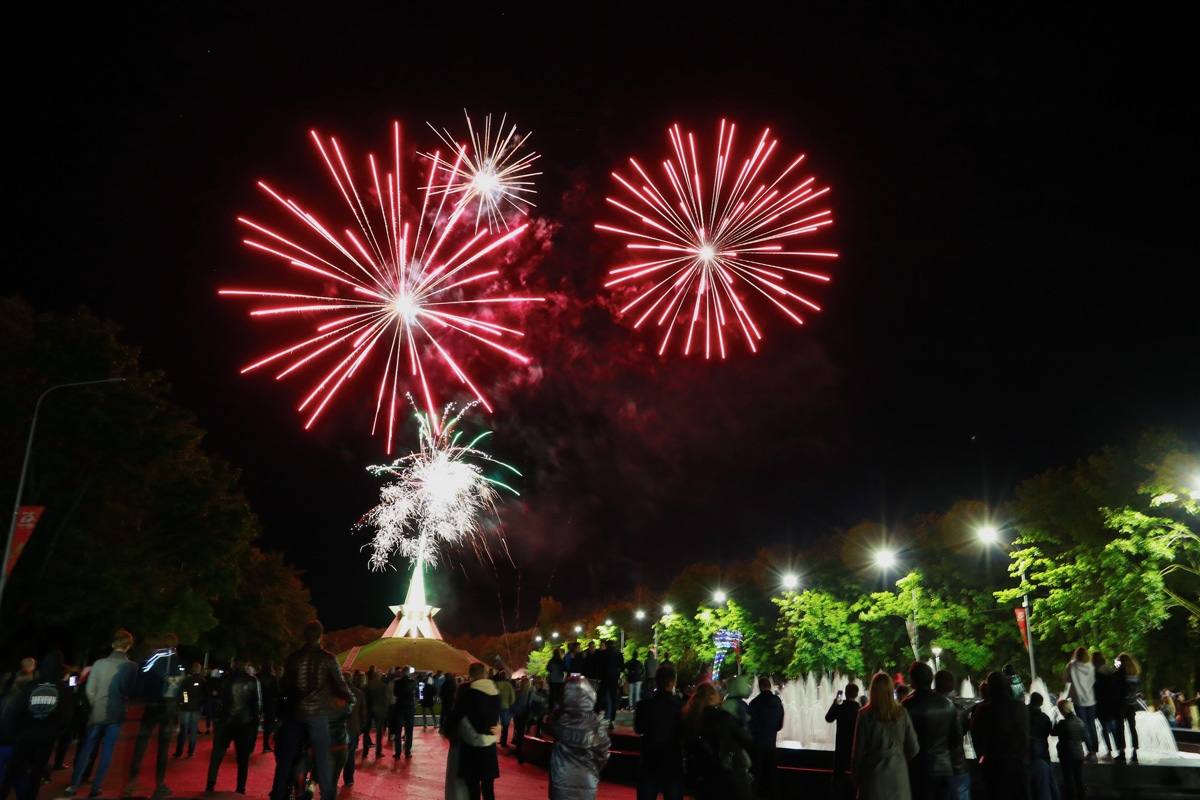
69	791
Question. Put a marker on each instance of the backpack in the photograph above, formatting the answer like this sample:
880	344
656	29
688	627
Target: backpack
43	701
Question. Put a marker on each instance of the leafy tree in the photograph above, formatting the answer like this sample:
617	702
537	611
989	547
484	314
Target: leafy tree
143	527
1100	550
817	632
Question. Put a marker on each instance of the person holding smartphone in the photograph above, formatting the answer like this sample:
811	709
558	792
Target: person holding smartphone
843	712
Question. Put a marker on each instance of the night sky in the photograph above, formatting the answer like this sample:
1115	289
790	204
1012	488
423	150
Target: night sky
1017	284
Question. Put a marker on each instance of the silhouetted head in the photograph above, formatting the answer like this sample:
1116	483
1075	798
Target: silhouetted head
313	632
851	691
920	675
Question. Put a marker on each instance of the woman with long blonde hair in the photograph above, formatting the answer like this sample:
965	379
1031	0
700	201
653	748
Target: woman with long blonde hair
884	743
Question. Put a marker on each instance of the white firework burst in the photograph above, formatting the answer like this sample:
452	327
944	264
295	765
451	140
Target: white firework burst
435	496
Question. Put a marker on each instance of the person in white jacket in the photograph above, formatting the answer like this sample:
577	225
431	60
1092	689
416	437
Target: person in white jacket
1080	675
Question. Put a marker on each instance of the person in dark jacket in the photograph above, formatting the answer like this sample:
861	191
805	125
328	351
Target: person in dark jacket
159	679
1110	706
356	724
1000	733
944	683
1131	698
1071	738
718	748
42	712
843	711
404	688
236	717
447	692
379	705
610	666
311	680
1041	774
268	682
766	721
936	721
634	676
556	675
192	694
477	707
658	719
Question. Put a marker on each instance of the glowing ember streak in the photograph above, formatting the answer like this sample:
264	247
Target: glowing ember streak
388	292
434	497
491	172
716	239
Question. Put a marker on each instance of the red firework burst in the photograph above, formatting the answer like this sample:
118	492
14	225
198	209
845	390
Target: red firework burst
389	289
711	247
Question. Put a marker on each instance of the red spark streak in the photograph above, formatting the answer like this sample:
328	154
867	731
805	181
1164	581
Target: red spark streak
711	249
399	287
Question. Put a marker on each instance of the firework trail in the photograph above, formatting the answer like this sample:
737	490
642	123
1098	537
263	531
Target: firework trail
717	238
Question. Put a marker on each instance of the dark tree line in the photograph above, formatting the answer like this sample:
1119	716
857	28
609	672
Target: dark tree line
144	527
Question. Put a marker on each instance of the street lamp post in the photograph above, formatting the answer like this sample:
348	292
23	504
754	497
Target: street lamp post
12	526
990	534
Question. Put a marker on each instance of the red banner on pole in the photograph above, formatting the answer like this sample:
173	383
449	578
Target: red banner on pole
1023	626
27	519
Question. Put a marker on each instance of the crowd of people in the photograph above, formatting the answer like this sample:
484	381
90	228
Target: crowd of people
308	712
715	739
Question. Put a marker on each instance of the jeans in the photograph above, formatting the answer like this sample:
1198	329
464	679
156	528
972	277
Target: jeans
289	748
609	699
635	693
404	723
506	716
1114	728
960	786
1042	785
348	770
105	735
189	730
1072	770
377	721
242	736
650	786
481	789
1087	715
1131	718
27	766
162	717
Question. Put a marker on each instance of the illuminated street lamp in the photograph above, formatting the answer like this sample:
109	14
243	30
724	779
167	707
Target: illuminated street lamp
668	609
639	614
719	597
538	638
608	622
989	535
885	558
554	635
578	629
790	582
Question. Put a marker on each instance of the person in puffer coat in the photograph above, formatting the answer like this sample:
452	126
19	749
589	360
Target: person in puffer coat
580	744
